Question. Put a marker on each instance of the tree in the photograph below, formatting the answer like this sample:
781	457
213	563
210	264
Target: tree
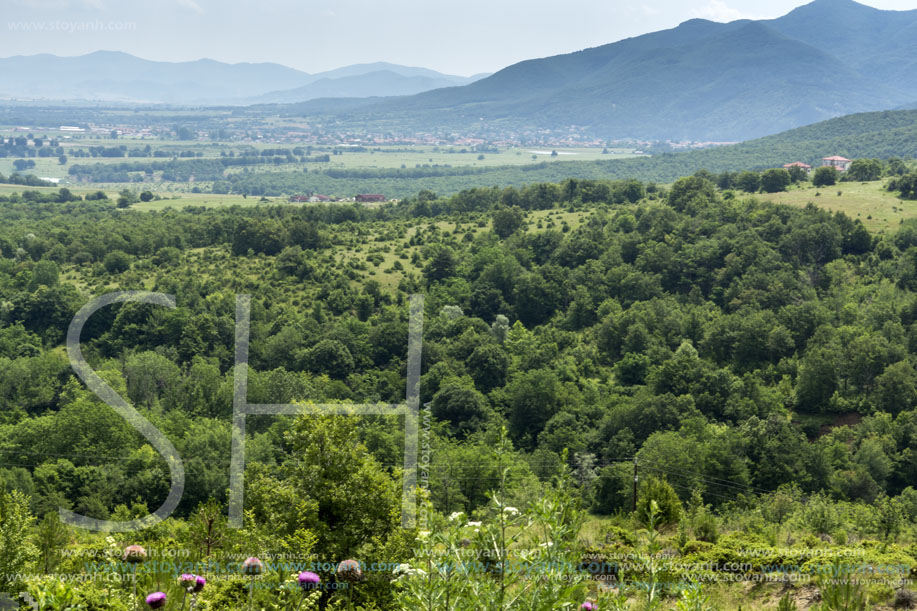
507	221
488	365
533	397
864	170
331	357
152	380
332	492
775	180
462	407
906	185
208	527
897	388
691	190
52	538
126	197
16	549
45	273
749	182
62	160
146	196
658	491
895	167
797	174
117	261
889	517
825	176
442	265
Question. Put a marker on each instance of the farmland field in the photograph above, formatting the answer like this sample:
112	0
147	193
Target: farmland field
341	157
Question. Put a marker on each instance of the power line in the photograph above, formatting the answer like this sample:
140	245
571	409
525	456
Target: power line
710	479
729	486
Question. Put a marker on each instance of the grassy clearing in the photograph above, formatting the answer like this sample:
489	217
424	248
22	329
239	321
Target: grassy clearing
410	157
208	200
879	210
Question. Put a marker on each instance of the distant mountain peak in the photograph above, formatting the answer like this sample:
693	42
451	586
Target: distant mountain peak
833	6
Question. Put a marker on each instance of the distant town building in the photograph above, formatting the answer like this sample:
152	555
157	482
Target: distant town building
798	164
841	163
370	197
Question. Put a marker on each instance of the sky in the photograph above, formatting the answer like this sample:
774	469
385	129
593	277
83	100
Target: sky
453	36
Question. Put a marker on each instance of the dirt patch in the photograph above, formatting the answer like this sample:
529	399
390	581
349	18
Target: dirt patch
848	419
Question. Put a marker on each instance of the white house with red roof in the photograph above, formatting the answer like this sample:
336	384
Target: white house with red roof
798	164
840	163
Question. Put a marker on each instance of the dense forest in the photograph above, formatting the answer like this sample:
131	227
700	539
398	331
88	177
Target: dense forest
753	364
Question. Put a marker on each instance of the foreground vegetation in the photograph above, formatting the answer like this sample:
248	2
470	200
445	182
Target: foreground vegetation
751	361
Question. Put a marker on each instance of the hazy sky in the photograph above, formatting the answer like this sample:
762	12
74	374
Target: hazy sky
455	36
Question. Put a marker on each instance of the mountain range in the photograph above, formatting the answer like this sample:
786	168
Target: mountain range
111	76
702	81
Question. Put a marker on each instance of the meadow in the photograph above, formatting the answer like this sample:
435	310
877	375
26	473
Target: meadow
870	202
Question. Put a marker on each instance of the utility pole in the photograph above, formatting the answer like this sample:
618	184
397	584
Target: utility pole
635	484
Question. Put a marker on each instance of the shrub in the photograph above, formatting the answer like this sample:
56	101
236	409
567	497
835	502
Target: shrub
775	180
821	516
824	176
749	182
660	491
706	527
117	261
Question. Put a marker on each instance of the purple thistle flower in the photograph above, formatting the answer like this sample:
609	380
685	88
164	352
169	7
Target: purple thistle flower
589	606
308	580
156	600
186	580
199	583
134	554
252	566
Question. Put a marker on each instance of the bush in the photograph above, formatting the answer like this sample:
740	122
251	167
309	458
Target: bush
821	516
775	180
659	490
824	176
508	220
706	527
117	261
749	182
864	170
